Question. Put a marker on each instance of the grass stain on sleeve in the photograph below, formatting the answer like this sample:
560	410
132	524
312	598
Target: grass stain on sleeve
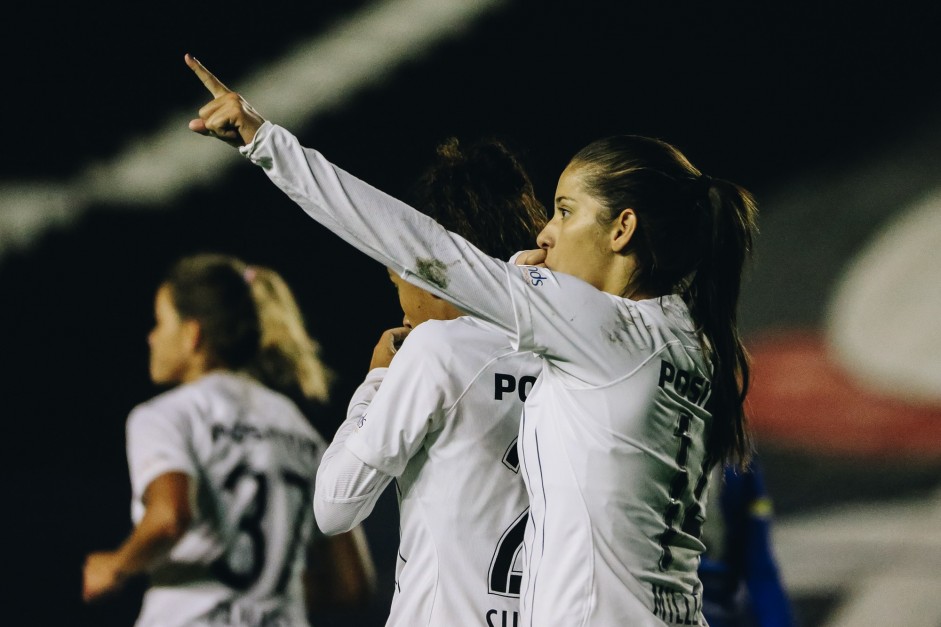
433	271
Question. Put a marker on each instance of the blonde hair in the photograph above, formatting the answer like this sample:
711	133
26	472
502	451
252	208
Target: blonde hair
289	357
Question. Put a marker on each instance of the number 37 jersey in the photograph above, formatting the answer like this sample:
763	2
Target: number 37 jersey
444	422
252	457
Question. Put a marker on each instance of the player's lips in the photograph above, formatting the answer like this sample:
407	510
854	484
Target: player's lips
546	263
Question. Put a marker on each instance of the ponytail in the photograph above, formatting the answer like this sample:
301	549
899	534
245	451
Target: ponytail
288	360
712	295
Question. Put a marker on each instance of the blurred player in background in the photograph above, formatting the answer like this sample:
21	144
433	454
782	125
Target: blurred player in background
442	417
630	302
222	467
741	583
340	571
289	358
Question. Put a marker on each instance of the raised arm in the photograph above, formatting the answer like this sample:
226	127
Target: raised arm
536	308
389	231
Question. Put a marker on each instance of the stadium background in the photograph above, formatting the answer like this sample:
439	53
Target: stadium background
828	112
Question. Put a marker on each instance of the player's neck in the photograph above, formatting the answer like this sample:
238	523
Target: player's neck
198	367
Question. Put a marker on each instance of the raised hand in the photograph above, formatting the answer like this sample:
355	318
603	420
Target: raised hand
228	116
387	346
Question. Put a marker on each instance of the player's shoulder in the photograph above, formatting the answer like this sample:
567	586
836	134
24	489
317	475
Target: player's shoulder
198	395
668	312
223	395
175	398
271	406
459	330
462	338
180	402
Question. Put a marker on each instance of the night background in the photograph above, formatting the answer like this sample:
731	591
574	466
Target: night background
829	113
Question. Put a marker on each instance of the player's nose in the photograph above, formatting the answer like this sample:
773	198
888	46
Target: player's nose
545	238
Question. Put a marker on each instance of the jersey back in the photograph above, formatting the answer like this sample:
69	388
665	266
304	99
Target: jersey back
445	423
615	462
253	458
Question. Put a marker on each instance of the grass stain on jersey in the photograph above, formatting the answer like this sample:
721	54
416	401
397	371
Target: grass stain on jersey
622	331
433	271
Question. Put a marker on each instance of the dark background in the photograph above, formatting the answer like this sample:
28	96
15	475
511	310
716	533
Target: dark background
762	94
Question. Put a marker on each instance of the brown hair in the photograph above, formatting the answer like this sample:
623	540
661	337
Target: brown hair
210	289
482	193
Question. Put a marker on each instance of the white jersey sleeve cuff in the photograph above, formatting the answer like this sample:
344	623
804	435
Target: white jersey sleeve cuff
346	492
248	150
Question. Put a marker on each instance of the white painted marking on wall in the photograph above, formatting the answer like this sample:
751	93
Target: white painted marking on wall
316	76
883	321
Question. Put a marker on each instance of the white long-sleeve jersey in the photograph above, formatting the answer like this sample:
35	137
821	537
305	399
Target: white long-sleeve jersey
614	432
443	420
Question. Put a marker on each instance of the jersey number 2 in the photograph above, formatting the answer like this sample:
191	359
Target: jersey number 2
502	579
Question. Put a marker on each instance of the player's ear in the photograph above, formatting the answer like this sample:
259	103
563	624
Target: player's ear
192	335
623	229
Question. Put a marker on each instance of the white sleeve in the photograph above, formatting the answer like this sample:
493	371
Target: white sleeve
364	394
384	428
412	402
156	444
347	489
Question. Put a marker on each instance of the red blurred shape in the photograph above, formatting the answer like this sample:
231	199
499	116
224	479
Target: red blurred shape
801	397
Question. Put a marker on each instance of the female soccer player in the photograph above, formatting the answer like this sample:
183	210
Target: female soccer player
222	467
340	572
634	317
443	416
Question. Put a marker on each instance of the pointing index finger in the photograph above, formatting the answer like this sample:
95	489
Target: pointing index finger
213	84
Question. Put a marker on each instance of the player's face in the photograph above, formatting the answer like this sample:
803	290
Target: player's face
419	305
170	347
574	240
